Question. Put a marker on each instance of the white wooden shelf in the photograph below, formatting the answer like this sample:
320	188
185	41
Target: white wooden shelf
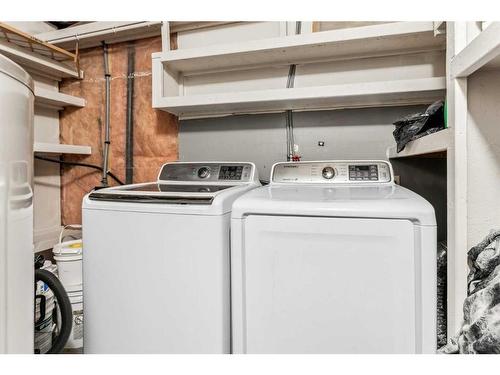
38	63
435	142
54	148
367	41
356	95
55	99
483	52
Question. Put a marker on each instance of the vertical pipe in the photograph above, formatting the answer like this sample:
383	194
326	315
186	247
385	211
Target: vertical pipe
107	141
290	142
129	131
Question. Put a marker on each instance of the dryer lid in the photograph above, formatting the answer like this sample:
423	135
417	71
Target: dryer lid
368	201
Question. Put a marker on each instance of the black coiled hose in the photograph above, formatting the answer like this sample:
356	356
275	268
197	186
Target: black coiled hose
64	306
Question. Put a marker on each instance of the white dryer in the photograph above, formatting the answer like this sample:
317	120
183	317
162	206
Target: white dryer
156	261
333	257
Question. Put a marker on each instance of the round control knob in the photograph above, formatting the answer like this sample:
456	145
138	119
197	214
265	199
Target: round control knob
328	172
203	172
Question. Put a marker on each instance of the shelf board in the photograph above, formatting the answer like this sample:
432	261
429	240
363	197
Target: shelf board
355	95
435	142
350	43
38	63
54	148
55	99
483	52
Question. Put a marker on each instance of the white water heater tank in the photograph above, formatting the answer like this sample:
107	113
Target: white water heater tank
16	209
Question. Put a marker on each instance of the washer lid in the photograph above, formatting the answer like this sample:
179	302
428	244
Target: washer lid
159	192
13	70
372	201
174	188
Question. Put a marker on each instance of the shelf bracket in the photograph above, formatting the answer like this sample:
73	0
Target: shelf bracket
165	36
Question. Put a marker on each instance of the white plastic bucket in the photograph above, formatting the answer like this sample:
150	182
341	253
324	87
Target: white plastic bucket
68	255
75	340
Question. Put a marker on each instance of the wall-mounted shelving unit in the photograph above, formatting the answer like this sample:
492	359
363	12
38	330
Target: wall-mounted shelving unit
55	148
429	144
356	95
171	68
55	99
359	42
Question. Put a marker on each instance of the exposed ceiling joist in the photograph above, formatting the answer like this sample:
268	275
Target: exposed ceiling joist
93	33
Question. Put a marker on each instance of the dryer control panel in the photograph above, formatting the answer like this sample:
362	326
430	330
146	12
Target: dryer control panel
207	172
333	172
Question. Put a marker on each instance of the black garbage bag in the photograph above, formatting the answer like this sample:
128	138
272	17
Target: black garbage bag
441	294
419	124
480	332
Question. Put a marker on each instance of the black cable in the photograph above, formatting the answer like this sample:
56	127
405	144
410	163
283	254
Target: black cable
79	165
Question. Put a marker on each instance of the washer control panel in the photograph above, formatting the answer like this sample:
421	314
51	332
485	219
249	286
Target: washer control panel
207	172
363	172
230	172
341	172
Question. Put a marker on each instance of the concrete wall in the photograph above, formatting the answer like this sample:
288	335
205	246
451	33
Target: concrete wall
347	134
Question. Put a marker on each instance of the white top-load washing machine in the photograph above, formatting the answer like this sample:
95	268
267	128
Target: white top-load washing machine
156	268
333	257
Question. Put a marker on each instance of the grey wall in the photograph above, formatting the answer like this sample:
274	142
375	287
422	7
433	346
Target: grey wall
257	138
347	134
